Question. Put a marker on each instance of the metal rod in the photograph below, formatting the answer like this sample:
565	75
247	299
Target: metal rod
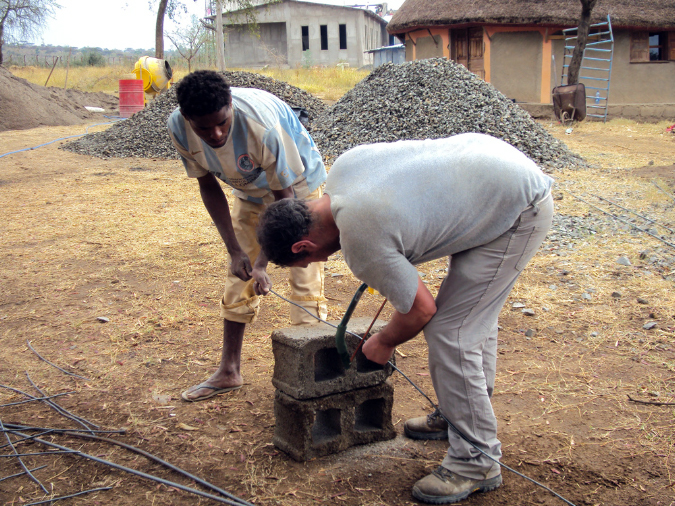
21	473
38	453
21	461
27	438
365	335
313	315
160	461
51	429
664	191
35	399
54	365
61	410
141	474
636	214
622	220
69	496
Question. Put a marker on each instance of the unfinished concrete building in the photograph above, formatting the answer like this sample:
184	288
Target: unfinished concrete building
303	34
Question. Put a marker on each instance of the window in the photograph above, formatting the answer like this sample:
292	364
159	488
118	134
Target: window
652	46
324	37
305	38
343	36
657	46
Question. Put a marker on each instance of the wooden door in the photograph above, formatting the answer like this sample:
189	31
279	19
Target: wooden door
460	47
467	49
476	61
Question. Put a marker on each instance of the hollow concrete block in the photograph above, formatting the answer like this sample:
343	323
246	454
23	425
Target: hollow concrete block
307	365
310	428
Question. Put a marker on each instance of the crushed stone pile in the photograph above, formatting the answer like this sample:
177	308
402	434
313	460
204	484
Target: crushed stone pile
429	99
145	134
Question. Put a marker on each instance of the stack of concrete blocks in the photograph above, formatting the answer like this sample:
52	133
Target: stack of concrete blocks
320	407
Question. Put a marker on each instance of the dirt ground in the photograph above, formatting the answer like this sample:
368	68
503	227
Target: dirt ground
24	105
113	271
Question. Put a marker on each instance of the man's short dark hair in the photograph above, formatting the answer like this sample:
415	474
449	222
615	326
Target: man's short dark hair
203	92
281	225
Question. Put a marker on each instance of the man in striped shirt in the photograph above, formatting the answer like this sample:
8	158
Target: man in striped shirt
255	143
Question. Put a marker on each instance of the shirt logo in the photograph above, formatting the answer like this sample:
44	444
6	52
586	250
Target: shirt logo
244	163
193	153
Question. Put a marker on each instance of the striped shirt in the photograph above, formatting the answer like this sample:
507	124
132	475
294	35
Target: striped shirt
267	149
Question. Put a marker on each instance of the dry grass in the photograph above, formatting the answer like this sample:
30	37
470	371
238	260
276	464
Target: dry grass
328	83
130	240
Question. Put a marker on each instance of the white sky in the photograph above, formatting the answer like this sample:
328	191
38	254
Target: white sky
121	24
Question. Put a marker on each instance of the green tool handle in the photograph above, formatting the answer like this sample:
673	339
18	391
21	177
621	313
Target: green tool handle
340	342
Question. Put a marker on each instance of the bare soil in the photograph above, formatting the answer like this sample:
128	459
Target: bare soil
128	240
24	105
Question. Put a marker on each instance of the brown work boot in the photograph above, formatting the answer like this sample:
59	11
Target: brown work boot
432	426
445	487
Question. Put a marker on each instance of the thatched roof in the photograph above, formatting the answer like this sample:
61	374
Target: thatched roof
560	13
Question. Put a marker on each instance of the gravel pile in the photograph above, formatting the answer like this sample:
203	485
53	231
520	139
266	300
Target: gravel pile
145	134
428	99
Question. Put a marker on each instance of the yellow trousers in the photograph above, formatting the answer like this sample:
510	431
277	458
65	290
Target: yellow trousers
240	303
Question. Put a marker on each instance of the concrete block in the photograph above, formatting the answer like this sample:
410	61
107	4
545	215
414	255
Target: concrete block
310	428
307	364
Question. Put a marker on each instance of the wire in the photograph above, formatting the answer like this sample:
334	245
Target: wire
435	406
61	139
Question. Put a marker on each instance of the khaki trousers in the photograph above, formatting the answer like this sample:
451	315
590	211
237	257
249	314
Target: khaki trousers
462	338
240	303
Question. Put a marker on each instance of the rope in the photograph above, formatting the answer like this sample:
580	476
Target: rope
433	405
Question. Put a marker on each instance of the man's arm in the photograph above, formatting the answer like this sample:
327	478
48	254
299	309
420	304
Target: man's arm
402	327
216	204
263	283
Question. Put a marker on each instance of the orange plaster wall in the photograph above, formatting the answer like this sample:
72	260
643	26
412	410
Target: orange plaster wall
547	51
443	32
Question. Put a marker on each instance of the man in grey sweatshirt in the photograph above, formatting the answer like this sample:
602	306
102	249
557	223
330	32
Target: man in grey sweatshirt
391	206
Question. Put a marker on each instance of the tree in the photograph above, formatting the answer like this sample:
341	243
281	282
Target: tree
23	19
170	8
242	11
189	40
582	36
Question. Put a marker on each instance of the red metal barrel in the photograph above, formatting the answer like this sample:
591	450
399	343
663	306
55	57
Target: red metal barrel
132	98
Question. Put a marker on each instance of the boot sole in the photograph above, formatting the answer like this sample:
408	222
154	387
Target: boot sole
435	436
482	486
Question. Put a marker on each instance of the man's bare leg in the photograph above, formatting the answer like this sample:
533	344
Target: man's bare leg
228	374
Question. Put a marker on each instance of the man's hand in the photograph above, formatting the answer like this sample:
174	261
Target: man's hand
376	351
402	327
240	265
262	283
